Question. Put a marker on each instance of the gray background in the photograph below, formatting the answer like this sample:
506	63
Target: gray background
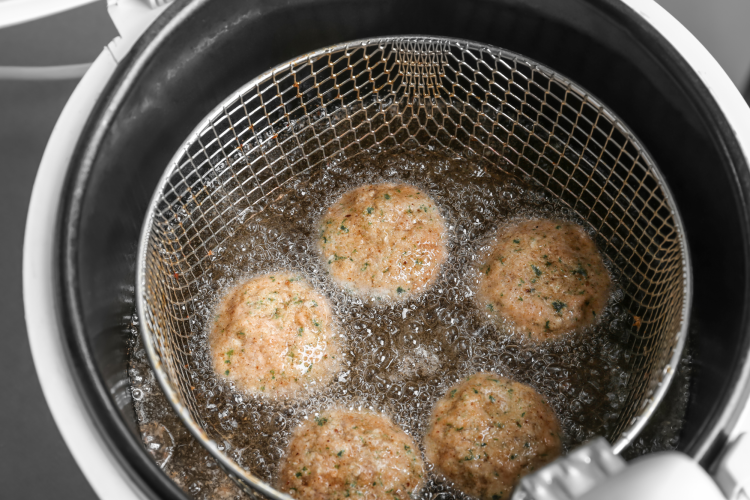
34	462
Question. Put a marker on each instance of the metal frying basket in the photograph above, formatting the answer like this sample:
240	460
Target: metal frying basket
414	91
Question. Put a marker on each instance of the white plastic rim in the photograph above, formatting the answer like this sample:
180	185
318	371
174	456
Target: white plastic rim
96	461
735	109
90	451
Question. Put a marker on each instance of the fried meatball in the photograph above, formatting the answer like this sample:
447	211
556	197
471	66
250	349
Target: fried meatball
546	277
342	454
274	335
383	240
487	432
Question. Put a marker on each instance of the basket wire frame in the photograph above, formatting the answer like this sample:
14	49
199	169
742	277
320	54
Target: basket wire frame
379	94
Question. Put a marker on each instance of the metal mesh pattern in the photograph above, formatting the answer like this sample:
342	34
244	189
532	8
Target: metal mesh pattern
389	92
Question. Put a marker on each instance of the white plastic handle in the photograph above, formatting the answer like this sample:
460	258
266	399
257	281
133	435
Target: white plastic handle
14	12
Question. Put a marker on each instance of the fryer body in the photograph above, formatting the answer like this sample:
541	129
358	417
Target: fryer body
198	52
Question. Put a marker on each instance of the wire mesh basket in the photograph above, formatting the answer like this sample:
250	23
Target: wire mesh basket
415	91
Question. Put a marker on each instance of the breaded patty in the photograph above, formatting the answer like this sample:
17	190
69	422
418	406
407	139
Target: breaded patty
487	432
383	240
274	335
546	277
351	454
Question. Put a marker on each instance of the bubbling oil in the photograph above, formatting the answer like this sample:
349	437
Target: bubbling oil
399	358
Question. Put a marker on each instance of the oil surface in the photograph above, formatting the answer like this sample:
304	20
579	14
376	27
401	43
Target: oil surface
400	357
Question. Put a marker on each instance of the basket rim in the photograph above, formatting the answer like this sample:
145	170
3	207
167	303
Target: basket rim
650	402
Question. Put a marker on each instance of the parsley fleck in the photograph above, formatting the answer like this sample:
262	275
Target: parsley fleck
558	305
387	196
517	242
321	421
536	270
580	270
400	290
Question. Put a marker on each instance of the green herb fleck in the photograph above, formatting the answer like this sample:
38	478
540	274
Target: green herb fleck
536	270
387	196
517	242
321	421
341	453
580	270
558	305
400	290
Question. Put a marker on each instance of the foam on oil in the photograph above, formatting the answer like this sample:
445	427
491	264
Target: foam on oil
399	357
